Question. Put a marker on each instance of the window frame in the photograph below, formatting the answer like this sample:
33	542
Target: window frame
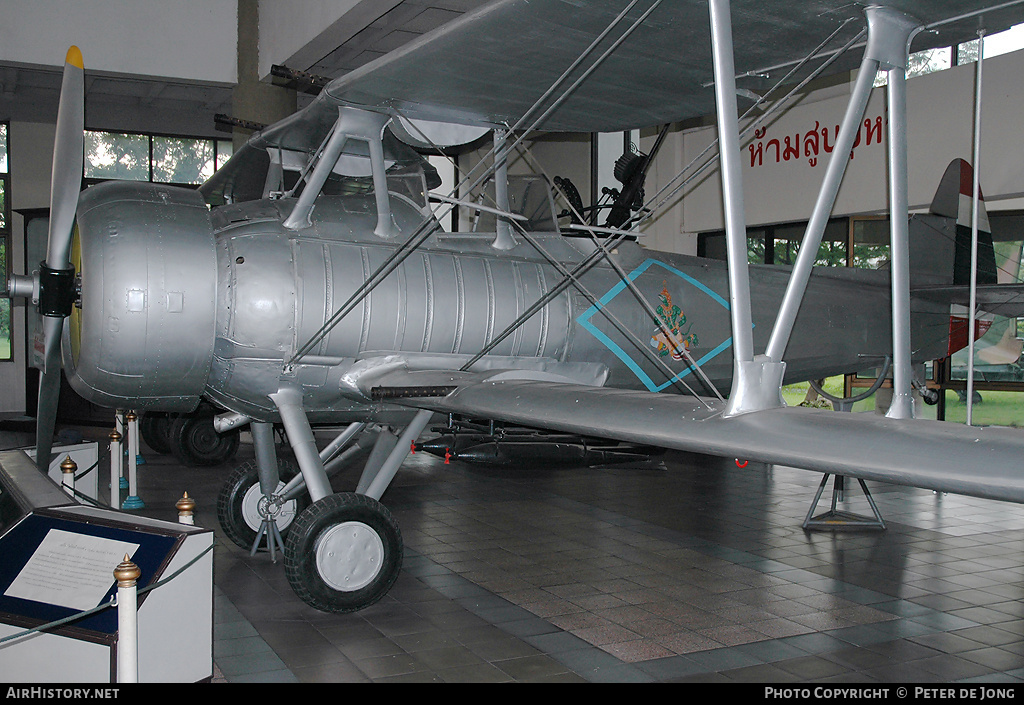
150	137
5	234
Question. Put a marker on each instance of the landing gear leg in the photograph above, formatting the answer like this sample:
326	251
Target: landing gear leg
375	481
270	481
251	503
300	437
344	552
385	444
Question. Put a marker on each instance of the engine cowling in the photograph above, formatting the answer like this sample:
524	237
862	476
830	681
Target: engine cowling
142	334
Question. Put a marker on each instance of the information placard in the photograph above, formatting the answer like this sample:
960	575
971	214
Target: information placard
70	569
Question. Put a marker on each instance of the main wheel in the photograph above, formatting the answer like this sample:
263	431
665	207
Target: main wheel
343	553
241	505
195	442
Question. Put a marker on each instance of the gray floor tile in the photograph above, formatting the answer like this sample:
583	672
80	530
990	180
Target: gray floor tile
691	571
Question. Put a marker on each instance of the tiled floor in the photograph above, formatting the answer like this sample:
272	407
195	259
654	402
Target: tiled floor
691	569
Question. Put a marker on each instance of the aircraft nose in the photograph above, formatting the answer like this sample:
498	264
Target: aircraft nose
144	326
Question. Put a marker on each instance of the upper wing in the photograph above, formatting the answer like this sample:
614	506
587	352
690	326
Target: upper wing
492	64
946	457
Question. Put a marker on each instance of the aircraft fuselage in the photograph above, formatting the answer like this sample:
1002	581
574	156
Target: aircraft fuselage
179	302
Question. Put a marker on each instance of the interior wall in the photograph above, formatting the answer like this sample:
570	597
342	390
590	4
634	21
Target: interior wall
149	42
567	156
781	186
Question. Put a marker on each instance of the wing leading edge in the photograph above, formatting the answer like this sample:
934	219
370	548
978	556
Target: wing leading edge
945	457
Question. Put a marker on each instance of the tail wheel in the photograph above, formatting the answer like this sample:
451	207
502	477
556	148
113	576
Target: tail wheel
343	553
242	507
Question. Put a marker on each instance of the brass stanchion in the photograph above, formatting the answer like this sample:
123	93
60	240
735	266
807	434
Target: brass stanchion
115	469
186	505
68	468
127	574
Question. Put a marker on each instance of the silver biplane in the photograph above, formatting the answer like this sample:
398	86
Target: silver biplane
310	281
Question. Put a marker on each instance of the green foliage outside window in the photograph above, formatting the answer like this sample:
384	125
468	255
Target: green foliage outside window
115	156
179	160
139	157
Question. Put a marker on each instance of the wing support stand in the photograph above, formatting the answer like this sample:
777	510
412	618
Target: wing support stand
835	518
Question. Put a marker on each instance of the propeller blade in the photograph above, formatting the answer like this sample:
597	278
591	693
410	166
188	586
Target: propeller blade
65	185
49	392
68	154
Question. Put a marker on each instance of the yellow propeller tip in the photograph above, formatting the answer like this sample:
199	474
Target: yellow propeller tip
75	57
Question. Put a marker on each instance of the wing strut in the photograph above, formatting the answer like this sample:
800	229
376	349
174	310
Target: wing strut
603	250
823	207
352	124
503	239
975	191
893	34
757	381
752	380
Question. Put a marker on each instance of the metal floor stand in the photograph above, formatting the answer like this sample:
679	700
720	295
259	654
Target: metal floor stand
837	519
274	541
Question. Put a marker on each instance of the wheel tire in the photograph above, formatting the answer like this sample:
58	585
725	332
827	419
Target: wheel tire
195	443
343	553
238	504
155	429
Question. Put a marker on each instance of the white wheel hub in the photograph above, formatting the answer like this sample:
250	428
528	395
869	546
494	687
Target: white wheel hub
256	508
349	556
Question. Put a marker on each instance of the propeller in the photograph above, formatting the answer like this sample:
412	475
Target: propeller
53	286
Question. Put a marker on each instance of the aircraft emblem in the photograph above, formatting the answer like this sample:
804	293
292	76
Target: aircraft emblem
672	315
675	340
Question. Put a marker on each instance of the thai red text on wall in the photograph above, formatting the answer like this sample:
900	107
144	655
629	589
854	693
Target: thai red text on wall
811	144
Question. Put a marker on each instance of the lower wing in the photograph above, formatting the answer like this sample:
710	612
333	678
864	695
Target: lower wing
946	457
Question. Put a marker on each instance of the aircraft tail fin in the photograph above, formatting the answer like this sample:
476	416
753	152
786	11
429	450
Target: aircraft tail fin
953	200
941	242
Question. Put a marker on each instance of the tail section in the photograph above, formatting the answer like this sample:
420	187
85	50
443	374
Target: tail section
953	200
998	294
941	254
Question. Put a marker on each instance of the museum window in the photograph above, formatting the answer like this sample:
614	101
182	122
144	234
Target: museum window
186	161
779	244
5	241
932	60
